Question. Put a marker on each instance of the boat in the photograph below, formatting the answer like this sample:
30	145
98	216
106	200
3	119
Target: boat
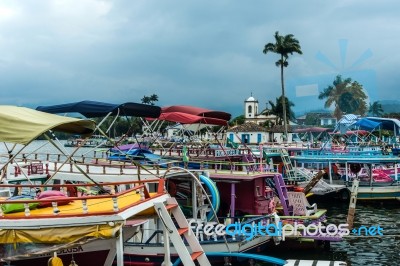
95	109
373	165
96	141
257	205
102	173
200	200
262	209
48	219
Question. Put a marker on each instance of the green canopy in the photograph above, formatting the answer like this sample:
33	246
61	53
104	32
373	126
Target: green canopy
22	125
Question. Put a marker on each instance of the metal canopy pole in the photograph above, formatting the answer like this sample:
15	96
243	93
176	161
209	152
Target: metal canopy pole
233	197
120	248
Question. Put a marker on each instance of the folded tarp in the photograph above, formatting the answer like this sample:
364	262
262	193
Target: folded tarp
99	109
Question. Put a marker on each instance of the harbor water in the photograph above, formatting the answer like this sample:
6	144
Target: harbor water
356	250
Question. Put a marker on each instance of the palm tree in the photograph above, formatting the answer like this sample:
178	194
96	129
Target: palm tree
279	112
375	109
284	45
153	98
348	97
150	99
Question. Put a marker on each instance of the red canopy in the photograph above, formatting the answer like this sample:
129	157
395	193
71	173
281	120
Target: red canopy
352	132
196	111
183	118
311	129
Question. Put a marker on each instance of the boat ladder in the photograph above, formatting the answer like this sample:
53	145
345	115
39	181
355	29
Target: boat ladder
250	162
283	196
290	173
177	234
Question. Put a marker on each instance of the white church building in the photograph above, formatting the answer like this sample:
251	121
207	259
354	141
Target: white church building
253	131
251	113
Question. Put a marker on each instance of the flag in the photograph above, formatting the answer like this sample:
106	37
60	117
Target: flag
185	156
231	144
266	157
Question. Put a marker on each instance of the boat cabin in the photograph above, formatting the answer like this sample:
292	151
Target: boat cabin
244	194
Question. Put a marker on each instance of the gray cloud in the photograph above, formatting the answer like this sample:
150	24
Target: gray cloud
202	53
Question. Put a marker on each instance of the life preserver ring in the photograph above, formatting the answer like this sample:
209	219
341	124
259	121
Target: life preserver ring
355	168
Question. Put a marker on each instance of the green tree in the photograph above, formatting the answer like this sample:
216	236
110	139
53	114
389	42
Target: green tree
375	109
284	45
312	119
150	99
346	95
278	110
392	115
239	120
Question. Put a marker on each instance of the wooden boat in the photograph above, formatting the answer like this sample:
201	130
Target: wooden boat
245	199
80	223
32	235
126	210
96	141
375	184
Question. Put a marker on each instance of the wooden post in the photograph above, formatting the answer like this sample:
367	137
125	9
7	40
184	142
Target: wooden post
352	205
313	182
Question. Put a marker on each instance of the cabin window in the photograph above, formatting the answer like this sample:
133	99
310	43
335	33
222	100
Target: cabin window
258	192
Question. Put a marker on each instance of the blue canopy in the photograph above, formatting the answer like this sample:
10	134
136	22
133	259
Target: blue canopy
371	123
92	109
367	124
391	124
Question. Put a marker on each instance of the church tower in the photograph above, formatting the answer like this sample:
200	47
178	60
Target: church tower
250	108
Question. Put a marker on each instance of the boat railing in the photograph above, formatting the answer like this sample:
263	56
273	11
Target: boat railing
177	152
46	168
58	157
304	173
136	191
33	165
345	154
281	145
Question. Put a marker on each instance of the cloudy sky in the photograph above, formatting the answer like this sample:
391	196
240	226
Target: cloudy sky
202	53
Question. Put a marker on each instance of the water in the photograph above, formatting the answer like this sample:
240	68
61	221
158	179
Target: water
356	251
380	250
44	147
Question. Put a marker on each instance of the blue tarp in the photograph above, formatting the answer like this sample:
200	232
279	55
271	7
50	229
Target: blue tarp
99	109
391	124
367	124
371	123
